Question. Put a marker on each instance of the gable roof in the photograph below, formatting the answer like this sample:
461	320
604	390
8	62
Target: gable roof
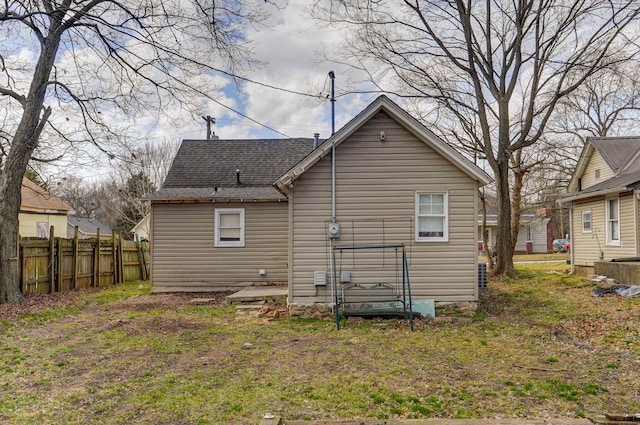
88	226
622	155
206	169
383	103
37	200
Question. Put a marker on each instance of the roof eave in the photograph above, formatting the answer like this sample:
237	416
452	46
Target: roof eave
580	195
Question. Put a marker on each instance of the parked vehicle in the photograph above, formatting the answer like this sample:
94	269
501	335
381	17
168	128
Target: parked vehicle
561	245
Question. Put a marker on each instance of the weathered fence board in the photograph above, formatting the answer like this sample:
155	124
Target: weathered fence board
58	264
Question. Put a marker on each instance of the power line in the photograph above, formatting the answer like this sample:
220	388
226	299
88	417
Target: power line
247	117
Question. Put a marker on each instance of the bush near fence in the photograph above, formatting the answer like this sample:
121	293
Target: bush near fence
61	264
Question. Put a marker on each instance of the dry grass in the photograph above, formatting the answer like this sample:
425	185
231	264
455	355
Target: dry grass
540	345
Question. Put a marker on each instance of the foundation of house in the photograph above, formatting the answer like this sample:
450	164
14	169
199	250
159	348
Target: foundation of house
325	311
625	273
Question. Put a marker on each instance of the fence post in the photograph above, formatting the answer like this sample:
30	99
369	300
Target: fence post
114	257
96	261
23	265
59	263
121	254
74	282
143	267
52	263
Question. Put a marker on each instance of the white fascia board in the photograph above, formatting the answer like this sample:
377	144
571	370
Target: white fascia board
585	157
579	196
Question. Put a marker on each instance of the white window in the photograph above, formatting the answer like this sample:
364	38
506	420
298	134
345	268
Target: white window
613	221
586	221
42	229
432	222
229	229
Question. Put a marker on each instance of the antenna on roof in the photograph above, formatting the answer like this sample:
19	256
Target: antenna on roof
332	75
211	135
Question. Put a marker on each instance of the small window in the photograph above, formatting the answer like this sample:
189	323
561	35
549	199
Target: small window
42	229
229	229
432	222
586	221
613	221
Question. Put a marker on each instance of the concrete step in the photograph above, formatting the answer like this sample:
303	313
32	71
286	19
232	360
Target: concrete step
249	308
270	294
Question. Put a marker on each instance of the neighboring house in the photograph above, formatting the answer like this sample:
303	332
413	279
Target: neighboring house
87	228
39	210
603	202
141	229
536	231
219	222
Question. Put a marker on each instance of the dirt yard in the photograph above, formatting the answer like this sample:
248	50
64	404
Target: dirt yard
540	346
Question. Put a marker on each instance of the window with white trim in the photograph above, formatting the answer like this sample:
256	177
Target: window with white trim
229	229
613	221
586	221
432	216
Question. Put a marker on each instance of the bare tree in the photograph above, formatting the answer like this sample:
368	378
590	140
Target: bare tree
101	61
89	199
494	70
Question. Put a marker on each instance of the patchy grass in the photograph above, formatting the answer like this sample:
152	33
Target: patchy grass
540	345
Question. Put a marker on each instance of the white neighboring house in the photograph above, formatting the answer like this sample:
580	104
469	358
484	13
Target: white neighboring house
535	228
141	230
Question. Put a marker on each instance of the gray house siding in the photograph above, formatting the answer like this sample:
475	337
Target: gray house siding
376	185
185	258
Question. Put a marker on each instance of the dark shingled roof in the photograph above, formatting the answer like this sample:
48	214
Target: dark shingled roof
201	166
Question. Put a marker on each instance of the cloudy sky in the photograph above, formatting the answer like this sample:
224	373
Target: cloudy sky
291	47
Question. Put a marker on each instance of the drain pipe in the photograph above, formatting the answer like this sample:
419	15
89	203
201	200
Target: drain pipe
333	147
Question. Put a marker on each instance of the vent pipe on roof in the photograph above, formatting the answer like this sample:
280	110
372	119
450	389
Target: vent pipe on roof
316	140
238	176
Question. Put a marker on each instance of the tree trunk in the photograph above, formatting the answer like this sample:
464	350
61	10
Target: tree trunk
504	249
516	200
485	231
9	282
24	142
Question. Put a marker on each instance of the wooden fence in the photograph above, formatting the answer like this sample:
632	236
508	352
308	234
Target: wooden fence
59	264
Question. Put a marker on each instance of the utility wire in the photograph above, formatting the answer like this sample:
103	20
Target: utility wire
249	118
248	80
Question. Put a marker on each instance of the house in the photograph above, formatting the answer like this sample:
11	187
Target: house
535	235
87	228
233	213
141	229
39	210
603	202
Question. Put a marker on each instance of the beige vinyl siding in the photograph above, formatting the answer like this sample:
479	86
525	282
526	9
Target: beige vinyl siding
376	190
28	223
587	246
628	239
184	257
596	163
